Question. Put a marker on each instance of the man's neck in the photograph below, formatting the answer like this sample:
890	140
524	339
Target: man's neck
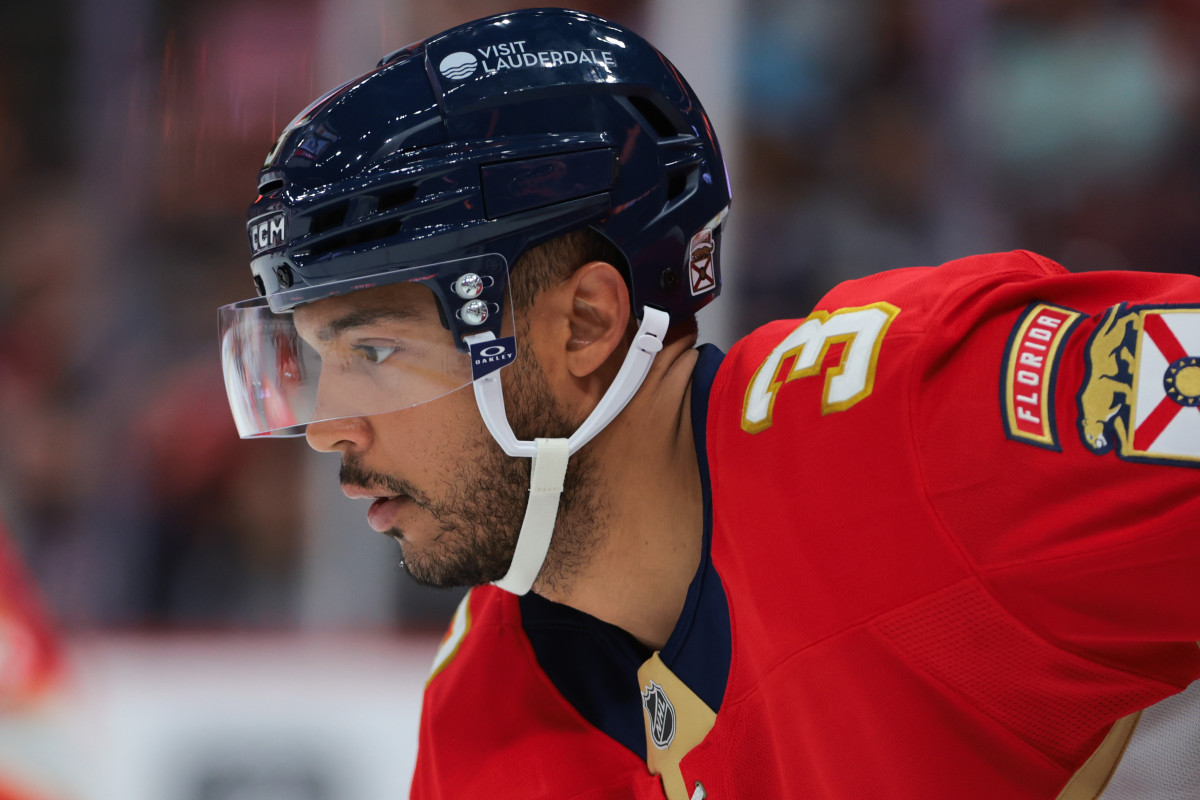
645	559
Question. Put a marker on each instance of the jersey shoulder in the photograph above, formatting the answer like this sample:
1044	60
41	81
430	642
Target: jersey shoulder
1047	422
843	337
966	313
923	293
977	369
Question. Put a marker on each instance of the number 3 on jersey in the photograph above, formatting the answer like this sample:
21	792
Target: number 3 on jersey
850	380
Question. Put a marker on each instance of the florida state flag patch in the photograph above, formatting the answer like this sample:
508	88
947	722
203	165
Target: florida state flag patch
1141	394
1030	370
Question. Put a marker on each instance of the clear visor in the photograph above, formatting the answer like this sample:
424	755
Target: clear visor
378	348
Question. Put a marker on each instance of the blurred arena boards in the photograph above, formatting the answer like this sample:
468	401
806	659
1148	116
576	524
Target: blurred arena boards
247	717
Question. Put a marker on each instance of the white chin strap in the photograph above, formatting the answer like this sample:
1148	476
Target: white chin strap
550	455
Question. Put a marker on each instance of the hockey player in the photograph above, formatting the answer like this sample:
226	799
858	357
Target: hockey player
937	539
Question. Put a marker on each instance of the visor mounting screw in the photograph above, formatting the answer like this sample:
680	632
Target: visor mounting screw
669	279
284	274
474	312
469	286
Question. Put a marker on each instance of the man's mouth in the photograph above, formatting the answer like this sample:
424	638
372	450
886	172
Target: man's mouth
383	508
382	512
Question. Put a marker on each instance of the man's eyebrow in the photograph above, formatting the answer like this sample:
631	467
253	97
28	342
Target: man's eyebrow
364	316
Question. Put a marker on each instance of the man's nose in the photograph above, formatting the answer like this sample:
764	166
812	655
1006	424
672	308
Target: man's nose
348	434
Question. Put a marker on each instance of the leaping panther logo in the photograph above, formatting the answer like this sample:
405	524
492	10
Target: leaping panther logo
1140	396
1107	390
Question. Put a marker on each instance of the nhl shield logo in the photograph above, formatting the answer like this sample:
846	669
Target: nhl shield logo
660	715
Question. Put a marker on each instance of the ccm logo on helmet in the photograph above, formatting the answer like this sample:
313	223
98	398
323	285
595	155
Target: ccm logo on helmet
267	232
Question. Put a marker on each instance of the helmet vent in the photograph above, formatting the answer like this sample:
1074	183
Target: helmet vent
368	233
676	185
328	219
396	198
266	187
655	117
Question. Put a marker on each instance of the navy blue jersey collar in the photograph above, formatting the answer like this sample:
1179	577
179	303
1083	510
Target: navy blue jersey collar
699	648
594	664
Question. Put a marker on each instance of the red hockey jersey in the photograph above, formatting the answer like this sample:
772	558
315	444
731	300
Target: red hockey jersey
952	549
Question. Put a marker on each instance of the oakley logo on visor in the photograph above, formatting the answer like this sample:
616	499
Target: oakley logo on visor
489	356
267	232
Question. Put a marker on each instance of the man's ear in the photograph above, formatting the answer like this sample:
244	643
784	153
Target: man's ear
598	317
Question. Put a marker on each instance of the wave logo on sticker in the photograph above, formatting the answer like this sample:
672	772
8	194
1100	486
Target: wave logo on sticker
458	66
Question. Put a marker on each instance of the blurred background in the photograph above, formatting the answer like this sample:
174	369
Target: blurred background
224	623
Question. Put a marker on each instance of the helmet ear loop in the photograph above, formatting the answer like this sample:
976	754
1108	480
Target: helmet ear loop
550	455
647	342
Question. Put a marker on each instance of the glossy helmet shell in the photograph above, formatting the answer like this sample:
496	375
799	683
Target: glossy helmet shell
493	137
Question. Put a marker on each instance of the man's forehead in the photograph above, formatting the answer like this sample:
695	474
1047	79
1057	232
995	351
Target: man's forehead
397	302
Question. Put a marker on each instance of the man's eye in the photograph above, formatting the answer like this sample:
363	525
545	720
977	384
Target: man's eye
374	353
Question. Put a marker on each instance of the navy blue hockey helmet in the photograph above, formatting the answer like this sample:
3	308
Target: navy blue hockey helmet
457	154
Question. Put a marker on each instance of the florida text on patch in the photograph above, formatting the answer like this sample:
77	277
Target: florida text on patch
1030	370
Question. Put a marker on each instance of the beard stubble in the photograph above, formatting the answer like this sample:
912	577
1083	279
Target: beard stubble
480	516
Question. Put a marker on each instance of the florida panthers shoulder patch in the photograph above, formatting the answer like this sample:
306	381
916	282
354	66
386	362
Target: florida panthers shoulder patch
1030	370
1140	396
